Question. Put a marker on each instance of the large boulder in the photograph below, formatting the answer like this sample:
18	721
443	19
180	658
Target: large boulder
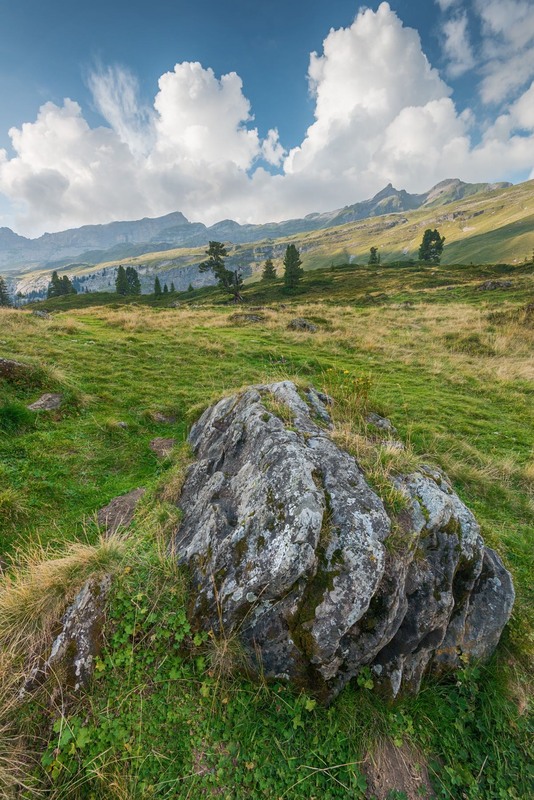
287	547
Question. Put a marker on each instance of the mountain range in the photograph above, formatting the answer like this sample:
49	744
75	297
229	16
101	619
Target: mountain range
95	244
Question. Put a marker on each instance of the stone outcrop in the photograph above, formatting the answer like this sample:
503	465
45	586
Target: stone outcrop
47	402
288	546
79	640
300	324
11	370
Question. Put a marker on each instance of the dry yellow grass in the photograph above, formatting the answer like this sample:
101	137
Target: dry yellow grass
34	595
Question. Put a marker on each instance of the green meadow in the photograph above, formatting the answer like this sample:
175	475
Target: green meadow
169	713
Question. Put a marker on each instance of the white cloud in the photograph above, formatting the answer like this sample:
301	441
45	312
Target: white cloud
457	46
272	151
382	113
508	47
203	119
446	4
116	95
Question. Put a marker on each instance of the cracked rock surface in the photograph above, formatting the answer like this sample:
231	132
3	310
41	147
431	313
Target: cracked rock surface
287	546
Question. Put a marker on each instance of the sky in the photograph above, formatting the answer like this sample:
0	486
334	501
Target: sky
254	111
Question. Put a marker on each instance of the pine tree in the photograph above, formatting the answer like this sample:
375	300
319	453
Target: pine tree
5	299
121	282
431	247
374	256
55	286
269	271
293	271
132	281
227	279
66	286
157	287
165	289
173	287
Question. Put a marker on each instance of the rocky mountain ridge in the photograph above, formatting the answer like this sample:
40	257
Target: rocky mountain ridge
95	244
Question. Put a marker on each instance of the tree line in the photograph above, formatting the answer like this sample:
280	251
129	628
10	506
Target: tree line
127	282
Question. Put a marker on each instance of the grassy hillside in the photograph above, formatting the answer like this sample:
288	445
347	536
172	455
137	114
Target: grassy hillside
167	715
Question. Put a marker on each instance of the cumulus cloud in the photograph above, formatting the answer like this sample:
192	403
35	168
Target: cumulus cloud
508	47
457	46
382	113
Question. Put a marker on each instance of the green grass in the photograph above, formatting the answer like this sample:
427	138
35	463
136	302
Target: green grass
453	370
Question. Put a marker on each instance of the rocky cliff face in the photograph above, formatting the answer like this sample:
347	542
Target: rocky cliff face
289	547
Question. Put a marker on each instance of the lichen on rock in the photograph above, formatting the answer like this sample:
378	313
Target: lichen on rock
285	543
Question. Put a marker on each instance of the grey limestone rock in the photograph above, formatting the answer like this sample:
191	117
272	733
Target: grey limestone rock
47	402
490	286
382	423
79	640
10	369
287	545
300	324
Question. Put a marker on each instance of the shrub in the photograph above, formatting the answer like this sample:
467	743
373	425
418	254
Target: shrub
15	417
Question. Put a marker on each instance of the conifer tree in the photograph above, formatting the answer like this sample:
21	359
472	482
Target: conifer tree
173	287
431	247
228	279
269	271
293	271
66	286
60	286
133	283
55	286
5	300
157	287
165	289
374	256
121	282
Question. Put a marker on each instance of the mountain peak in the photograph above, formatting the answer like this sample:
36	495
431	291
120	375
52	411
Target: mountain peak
387	191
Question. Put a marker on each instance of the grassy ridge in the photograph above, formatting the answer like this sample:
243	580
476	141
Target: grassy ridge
451	367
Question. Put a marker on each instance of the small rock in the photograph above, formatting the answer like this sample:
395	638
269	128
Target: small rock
380	422
119	513
41	314
79	640
489	286
47	402
242	319
123	425
300	324
162	447
11	369
159	416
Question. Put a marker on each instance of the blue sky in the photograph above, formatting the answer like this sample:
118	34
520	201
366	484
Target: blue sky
411	92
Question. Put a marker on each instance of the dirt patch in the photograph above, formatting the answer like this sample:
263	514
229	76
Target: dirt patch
119	513
162	447
397	769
